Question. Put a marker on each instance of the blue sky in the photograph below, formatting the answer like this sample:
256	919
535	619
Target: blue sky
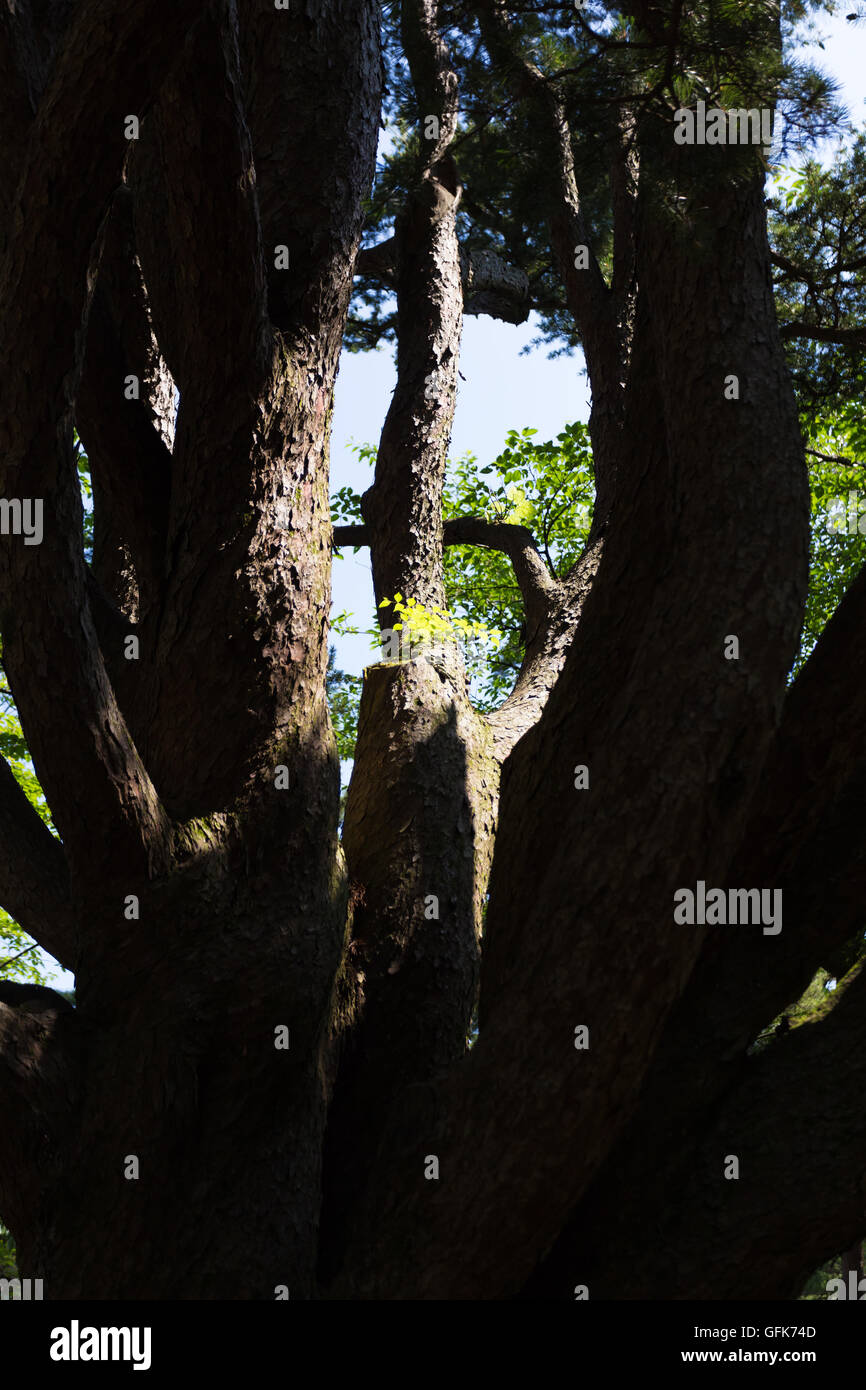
502	390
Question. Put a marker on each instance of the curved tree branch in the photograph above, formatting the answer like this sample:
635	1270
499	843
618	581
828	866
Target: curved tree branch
537	586
240	633
113	57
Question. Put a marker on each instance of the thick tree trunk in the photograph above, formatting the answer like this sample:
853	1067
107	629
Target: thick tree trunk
266	1083
670	779
179	1109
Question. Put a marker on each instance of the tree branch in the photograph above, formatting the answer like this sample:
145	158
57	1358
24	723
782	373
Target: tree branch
197	221
356	535
490	285
804	837
599	321
403	508
240	635
547	647
537	586
17	112
113	57
34	877
126	440
570	939
836	458
415	975
844	337
587	292
802	1096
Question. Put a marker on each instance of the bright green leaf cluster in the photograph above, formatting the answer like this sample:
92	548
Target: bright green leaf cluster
432	624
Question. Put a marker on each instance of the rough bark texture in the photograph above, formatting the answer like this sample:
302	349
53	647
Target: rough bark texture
197	938
198	887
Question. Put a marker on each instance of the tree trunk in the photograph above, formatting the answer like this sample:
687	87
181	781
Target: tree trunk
266	1085
205	910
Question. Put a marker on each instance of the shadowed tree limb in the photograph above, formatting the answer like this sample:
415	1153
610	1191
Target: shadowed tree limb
38	1093
803	837
127	440
16	113
111	58
793	1117
34	878
241	630
200	239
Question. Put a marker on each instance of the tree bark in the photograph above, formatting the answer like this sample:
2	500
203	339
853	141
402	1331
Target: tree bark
707	569
197	939
270	1056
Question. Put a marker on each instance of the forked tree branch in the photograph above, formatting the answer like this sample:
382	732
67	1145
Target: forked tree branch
112	59
611	957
